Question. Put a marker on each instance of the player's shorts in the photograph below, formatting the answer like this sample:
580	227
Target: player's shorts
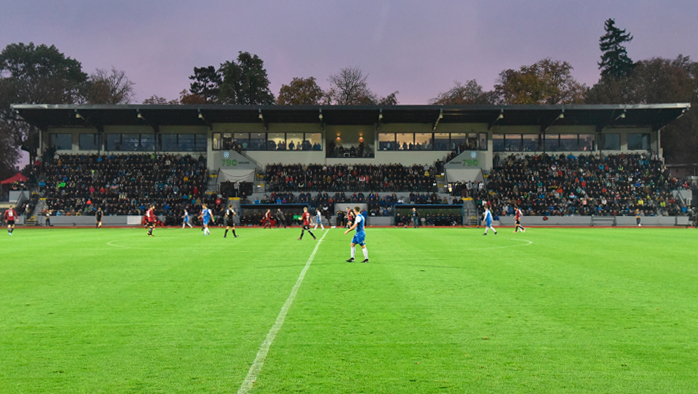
306	227
206	222
10	222
359	239
489	222
151	224
186	220
229	223
518	222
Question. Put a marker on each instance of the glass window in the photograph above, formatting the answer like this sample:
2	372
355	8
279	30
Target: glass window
483	141
638	141
185	142
568	142
498	142
113	142
586	142
168	142
130	142
276	141
530	142
61	141
512	142
147	143
386	141
422	141
405	141
258	141
441	141
216	141
89	142
610	141
242	139
313	141
472	141
201	143
458	139
294	141
552	142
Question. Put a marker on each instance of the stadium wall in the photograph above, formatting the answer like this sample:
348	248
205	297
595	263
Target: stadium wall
533	221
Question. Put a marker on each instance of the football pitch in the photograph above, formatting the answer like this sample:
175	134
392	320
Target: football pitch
435	311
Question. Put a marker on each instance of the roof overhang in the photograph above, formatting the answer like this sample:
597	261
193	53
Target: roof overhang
655	116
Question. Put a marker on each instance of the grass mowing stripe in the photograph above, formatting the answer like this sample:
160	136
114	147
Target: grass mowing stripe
264	349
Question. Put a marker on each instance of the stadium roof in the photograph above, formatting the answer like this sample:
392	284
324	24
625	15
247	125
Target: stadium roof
655	116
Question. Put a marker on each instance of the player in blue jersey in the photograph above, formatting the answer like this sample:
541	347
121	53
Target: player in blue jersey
185	219
206	217
359	236
487	218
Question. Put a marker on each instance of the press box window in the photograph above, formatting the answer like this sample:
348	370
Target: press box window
610	141
61	141
638	141
89	142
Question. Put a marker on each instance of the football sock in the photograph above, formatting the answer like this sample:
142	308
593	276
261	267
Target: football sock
311	233
226	233
234	235
365	250
353	251
302	232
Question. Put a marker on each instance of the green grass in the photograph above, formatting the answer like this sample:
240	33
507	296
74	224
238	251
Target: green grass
436	311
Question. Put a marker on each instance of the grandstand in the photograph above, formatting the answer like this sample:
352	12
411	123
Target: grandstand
554	161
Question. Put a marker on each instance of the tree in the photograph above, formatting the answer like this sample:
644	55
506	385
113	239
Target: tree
545	82
469	94
245	81
33	74
186	98
614	58
390	99
349	87
108	88
157	100
301	91
207	83
9	154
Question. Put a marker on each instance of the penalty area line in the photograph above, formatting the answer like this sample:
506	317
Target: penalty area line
264	349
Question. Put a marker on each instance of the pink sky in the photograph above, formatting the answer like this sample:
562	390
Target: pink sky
416	47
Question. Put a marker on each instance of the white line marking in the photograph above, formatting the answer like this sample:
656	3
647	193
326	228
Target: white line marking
110	243
264	349
507	246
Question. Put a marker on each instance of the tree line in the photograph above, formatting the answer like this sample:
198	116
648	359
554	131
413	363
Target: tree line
41	74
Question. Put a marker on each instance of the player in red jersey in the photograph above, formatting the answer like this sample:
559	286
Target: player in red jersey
150	219
350	218
267	219
10	218
517	220
306	223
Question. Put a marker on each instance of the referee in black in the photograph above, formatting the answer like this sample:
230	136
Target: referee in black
230	221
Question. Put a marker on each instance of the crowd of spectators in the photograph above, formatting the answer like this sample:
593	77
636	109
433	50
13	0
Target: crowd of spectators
350	178
613	185
124	184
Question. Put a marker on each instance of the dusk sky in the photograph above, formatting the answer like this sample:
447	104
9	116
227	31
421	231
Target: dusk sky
418	48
